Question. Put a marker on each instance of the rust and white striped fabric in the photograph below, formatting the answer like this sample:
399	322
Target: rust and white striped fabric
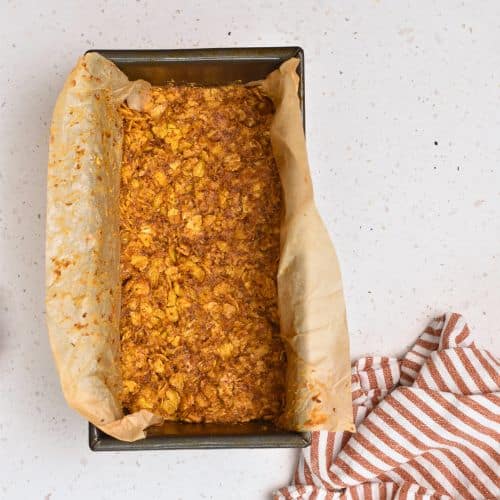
428	426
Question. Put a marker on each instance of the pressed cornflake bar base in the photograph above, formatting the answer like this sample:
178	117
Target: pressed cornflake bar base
200	206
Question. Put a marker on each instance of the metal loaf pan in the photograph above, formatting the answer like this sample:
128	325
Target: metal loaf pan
204	67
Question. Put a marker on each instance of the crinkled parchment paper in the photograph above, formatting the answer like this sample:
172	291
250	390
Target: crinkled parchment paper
311	300
82	258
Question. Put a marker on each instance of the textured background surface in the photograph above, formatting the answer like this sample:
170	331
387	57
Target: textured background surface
403	119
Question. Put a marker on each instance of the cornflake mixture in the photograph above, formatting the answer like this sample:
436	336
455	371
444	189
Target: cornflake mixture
200	205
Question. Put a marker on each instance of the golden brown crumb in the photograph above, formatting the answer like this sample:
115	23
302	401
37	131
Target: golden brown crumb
200	205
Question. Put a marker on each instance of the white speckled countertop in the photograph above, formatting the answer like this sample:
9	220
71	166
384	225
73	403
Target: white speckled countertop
403	114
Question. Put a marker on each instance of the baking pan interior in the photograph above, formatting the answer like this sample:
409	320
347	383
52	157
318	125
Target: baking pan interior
204	67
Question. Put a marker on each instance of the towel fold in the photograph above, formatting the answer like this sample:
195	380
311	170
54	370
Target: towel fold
428	426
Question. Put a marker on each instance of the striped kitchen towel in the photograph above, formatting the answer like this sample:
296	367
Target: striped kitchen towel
428	426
